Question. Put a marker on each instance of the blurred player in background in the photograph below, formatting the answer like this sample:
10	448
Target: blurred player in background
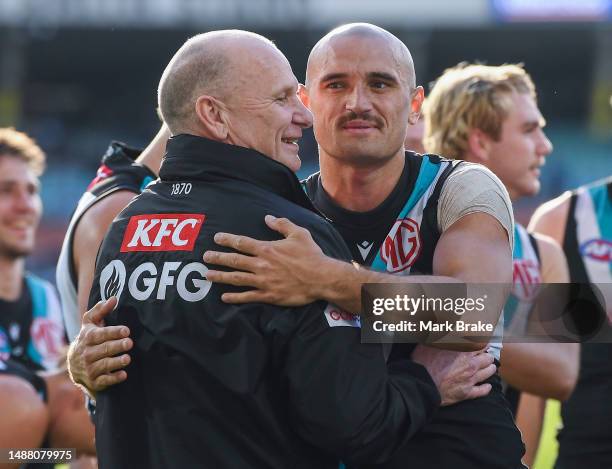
581	222
38	403
489	115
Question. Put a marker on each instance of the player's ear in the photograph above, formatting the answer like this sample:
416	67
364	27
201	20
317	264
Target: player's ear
479	146
416	102
212	117
303	95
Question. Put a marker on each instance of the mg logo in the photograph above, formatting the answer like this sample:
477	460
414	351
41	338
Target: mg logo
402	246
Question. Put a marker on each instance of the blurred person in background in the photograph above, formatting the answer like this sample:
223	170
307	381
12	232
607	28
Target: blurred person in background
581	222
489	115
38	403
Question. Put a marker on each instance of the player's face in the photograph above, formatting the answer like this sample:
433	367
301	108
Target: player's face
268	116
521	151
360	101
20	207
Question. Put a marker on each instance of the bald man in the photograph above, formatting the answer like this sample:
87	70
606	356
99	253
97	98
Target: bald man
237	386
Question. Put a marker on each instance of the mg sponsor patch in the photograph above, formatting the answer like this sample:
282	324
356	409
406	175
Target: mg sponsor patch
402	245
162	232
336	317
597	249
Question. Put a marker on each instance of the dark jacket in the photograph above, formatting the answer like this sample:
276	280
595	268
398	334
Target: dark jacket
236	386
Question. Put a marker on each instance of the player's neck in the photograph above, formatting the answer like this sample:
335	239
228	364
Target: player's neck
360	188
11	278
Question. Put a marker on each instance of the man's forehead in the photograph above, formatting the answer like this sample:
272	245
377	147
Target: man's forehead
344	55
14	169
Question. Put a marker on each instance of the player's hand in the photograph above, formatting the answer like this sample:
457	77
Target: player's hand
284	272
458	375
97	356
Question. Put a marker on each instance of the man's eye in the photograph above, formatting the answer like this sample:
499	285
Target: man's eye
334	85
379	85
282	99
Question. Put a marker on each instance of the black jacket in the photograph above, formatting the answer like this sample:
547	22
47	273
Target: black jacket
236	386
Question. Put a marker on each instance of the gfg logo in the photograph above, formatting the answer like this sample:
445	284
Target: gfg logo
402	246
146	281
112	280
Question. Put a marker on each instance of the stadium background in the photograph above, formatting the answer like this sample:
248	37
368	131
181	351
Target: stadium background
75	74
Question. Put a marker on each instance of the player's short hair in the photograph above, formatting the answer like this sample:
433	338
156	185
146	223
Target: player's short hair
471	96
19	145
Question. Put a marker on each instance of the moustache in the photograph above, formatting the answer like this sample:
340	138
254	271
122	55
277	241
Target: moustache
351	116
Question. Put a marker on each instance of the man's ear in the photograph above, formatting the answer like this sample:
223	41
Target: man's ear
418	96
303	95
211	114
479	146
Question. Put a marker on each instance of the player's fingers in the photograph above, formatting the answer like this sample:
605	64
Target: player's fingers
252	296
99	335
485	373
109	379
479	391
100	310
482	360
108	349
239	279
243	244
108	365
282	225
231	260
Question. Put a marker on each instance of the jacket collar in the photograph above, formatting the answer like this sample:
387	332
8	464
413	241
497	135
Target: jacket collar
197	158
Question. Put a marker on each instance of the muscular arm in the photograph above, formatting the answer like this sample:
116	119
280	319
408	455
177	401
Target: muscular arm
544	369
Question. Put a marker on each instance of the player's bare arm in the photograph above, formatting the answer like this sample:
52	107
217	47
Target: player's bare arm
544	369
295	271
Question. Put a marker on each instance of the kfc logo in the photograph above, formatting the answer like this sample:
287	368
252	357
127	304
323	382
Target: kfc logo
337	317
597	249
48	337
162	232
402	246
526	279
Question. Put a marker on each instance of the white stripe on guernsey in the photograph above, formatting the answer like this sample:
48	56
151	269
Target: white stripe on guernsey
416	213
587	228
